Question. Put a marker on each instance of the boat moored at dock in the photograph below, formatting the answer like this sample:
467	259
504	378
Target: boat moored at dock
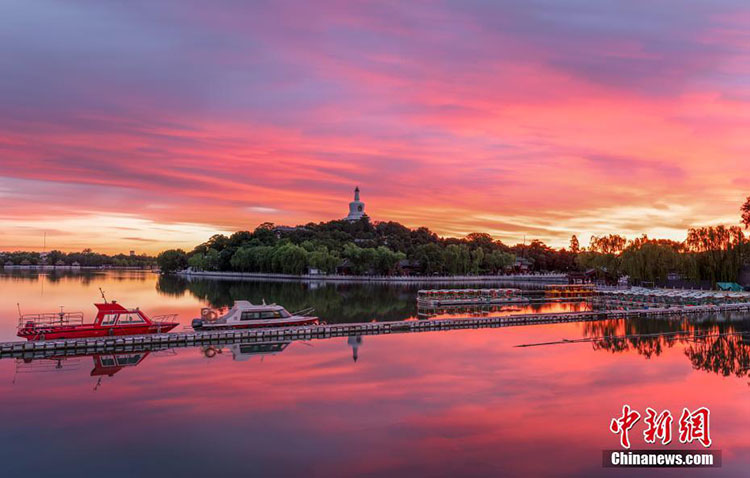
112	319
245	315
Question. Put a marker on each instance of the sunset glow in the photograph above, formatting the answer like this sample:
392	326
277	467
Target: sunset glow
148	125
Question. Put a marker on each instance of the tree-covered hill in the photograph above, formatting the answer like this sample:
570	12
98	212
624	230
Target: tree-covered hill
359	247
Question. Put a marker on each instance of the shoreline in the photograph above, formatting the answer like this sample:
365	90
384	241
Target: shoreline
72	268
545	278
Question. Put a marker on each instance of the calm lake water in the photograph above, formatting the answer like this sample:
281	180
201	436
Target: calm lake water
459	403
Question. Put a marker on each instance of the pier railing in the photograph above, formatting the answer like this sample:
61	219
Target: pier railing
50	319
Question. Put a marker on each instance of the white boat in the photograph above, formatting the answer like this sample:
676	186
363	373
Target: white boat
245	315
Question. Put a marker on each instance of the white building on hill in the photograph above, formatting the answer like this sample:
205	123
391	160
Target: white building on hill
356	208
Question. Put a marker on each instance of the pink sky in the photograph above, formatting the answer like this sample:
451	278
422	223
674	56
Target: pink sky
143	126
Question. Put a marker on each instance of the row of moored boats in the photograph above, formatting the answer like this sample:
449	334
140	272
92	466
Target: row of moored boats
112	319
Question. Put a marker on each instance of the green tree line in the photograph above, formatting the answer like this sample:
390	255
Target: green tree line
360	248
713	254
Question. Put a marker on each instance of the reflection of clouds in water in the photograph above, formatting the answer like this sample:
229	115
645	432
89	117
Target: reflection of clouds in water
455	403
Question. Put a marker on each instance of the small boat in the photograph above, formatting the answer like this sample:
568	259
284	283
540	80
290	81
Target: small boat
245	315
112	319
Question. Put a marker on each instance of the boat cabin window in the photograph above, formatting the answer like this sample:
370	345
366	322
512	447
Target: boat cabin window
107	361
123	360
250	316
131	318
274	314
110	319
266	314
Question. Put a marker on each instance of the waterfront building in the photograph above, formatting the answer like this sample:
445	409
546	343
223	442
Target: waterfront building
356	208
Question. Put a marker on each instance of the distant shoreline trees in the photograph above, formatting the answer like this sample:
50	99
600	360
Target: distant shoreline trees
85	258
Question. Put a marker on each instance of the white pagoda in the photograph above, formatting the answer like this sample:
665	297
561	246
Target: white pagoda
356	208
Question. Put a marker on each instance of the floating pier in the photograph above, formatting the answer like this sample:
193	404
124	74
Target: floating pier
51	348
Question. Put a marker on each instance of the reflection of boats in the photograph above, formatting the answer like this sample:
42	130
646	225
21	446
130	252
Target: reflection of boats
244	351
244	315
569	290
111	319
104	364
466	310
51	364
110	364
442	297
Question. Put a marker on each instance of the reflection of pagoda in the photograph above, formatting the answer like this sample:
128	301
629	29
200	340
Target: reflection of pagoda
355	342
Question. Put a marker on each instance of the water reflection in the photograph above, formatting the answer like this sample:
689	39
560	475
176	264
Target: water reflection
720	348
355	342
442	404
104	365
345	302
714	346
333	302
245	351
486	310
727	355
83	276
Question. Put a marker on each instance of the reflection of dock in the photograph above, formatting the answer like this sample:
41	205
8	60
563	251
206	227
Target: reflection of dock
443	297
188	339
424	313
480	309
105	364
52	364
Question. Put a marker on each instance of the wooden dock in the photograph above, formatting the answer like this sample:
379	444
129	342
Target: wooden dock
51	348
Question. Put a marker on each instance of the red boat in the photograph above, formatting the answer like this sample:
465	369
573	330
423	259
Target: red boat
112	319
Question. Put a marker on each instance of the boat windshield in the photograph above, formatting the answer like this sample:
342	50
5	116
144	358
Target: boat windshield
130	318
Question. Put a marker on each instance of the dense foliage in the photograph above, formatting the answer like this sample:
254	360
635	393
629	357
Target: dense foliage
360	247
711	254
